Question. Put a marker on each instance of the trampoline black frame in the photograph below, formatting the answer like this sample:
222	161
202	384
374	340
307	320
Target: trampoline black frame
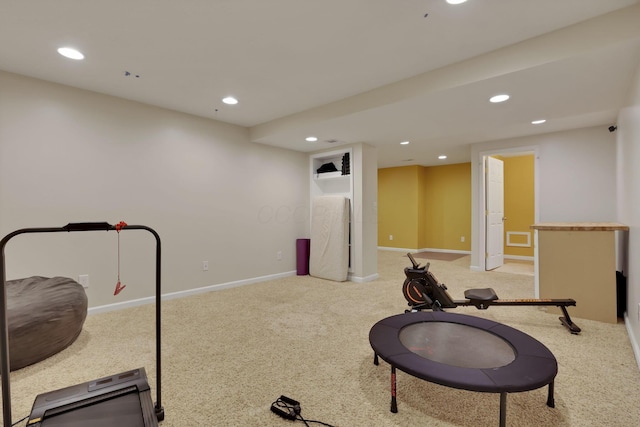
4	324
530	354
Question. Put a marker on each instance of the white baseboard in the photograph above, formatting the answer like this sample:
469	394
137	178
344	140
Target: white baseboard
405	250
205	289
519	257
632	339
189	292
413	251
366	279
446	251
120	305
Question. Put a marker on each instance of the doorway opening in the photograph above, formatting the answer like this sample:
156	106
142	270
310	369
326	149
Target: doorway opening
493	225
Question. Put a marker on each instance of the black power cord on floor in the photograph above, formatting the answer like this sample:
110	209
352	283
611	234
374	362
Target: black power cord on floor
290	409
19	421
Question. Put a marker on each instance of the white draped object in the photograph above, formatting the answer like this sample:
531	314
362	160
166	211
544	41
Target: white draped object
329	253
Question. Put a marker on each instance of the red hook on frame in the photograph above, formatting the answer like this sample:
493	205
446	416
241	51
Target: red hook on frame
119	286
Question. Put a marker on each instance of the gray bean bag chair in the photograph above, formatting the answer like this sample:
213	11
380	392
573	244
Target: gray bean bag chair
45	316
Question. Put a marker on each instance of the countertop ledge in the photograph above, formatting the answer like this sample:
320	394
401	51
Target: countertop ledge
580	226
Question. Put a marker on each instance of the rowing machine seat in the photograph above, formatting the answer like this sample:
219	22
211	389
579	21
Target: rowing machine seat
479	297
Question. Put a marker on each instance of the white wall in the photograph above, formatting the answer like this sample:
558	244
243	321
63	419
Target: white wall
369	213
576	177
628	143
365	218
68	155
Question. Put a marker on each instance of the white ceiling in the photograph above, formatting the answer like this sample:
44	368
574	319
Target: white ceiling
372	71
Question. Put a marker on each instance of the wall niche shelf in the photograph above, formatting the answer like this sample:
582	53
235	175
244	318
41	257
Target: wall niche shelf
339	182
360	185
330	175
336	183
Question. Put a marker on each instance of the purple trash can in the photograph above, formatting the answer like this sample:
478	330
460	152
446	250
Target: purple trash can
303	247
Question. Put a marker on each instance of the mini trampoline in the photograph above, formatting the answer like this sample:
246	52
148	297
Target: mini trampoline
463	352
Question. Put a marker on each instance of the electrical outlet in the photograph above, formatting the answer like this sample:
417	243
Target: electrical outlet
205	265
390	236
279	255
462	239
83	279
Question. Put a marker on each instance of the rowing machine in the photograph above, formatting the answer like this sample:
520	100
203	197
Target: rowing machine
423	291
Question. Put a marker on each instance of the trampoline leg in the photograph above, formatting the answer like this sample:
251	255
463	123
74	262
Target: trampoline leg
550	400
503	409
394	404
375	359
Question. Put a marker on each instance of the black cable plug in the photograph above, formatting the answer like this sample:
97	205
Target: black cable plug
287	415
290	409
286	408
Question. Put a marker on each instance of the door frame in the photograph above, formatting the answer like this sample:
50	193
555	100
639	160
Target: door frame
478	193
493	165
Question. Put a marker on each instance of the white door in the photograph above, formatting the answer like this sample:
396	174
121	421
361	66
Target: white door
494	203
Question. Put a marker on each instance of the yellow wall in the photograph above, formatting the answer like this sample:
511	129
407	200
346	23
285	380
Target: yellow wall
519	202
430	207
398	201
425	207
447	216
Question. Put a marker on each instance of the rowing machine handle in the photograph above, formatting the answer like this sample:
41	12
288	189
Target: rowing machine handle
413	261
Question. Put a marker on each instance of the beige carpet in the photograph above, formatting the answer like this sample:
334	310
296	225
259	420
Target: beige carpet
516	267
229	354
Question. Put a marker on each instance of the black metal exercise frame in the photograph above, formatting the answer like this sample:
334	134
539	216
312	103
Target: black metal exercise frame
4	325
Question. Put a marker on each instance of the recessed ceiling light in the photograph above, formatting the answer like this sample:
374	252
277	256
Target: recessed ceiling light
71	53
230	100
499	98
456	1
442	157
538	122
311	139
404	143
